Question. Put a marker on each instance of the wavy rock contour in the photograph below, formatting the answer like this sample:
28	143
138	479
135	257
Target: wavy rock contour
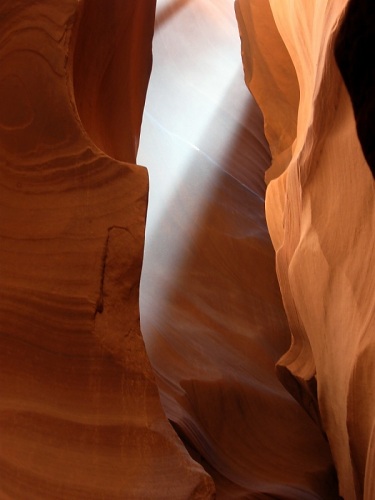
321	215
80	415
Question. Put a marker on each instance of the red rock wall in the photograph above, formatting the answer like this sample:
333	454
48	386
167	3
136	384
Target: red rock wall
110	88
80	415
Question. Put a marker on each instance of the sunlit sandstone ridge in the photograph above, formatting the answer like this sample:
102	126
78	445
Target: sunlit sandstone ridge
321	216
80	415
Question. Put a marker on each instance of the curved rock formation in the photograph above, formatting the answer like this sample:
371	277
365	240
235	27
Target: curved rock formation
321	216
110	88
80	415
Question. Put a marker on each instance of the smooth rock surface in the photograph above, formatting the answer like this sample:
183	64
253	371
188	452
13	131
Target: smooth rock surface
321	217
80	415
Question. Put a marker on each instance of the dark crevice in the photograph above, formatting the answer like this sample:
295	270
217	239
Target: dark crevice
355	58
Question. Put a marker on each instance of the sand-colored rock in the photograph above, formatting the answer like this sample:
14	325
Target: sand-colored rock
80	415
321	217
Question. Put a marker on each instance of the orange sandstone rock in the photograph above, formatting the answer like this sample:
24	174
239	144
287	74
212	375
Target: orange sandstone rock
80	415
321	216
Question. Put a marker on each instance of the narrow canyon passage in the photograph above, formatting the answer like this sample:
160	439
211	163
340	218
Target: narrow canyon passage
258	380
211	312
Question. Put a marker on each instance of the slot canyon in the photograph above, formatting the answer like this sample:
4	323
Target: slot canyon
187	245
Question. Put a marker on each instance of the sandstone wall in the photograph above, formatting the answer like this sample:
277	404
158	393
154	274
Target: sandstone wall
80	415
321	216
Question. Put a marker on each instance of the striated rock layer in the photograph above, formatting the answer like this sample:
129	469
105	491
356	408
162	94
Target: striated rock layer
80	415
320	208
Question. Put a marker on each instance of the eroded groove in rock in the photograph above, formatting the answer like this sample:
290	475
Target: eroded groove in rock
321	217
80	415
110	88
273	79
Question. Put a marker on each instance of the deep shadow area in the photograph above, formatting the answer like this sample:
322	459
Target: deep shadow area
354	56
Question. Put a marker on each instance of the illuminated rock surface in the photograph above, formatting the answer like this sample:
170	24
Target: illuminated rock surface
321	215
80	415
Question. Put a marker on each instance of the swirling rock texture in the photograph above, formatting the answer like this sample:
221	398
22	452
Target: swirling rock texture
320	211
80	415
